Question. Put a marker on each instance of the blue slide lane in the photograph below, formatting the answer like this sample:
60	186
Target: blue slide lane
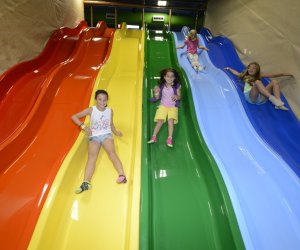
264	191
280	129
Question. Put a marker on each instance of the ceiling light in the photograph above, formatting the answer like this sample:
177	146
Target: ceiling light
162	3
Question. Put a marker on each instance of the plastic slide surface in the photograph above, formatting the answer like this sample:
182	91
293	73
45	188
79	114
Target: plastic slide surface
107	216
37	153
21	85
281	130
263	189
185	204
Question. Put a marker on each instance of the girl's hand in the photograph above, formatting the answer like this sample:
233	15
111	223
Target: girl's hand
118	133
156	91
206	49
87	131
175	98
227	68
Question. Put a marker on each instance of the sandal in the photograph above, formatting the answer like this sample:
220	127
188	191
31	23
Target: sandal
121	179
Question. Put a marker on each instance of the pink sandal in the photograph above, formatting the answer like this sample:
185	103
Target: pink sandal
121	179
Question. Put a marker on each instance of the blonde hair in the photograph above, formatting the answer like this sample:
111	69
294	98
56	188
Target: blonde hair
192	32
245	75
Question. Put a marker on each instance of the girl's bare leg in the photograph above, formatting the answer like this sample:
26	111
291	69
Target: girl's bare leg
254	93
262	89
170	127
109	147
93	152
274	87
158	125
193	58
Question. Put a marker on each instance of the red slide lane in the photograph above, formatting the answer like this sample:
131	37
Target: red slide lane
20	86
47	137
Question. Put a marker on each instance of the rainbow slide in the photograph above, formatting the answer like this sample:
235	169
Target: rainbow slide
51	88
107	217
263	189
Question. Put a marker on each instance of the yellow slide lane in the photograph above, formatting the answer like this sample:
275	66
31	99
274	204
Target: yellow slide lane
106	217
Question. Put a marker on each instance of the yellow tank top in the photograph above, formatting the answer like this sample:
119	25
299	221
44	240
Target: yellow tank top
247	87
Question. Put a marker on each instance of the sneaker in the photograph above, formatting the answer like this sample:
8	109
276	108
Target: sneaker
153	139
275	101
121	179
84	186
169	142
282	107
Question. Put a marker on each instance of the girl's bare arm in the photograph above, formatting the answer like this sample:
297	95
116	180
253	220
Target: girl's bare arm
177	96
180	46
76	117
202	47
276	75
232	71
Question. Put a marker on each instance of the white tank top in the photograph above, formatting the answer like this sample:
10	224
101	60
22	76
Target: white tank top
100	121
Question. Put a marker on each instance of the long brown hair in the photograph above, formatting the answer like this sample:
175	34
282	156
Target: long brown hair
245	75
164	72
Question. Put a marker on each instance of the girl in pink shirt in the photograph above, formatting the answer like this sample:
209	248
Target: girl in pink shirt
168	92
192	44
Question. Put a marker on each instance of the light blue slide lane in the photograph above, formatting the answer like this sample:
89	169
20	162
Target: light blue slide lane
281	130
264	191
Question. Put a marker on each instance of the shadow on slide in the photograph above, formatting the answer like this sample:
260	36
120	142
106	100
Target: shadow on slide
107	216
263	190
30	161
281	130
184	202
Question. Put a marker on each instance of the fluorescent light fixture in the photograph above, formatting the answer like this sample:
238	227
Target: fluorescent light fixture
130	26
162	3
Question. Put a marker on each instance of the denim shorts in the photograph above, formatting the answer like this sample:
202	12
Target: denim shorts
259	100
101	138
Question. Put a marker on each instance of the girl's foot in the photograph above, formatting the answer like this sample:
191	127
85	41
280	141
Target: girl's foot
275	101
201	68
121	179
153	139
169	142
84	186
282	107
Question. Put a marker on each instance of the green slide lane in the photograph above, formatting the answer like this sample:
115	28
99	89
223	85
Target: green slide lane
184	201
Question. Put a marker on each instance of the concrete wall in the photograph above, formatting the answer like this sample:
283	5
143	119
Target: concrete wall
27	24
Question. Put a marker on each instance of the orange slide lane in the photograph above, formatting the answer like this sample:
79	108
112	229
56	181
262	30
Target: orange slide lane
29	163
20	86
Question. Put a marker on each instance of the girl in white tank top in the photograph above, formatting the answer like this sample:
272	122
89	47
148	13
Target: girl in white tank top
100	132
100	121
